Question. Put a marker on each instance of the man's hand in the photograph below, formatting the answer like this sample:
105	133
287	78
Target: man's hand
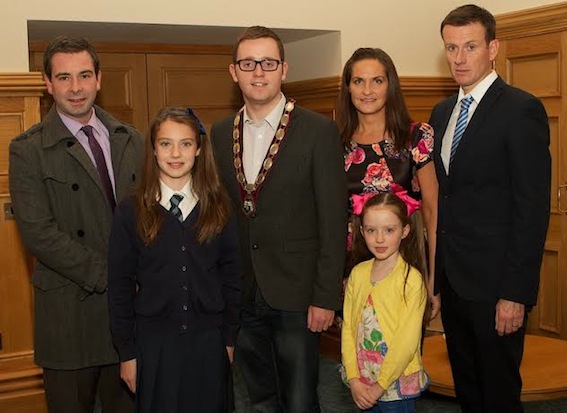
230	352
435	305
360	394
128	374
319	319
509	316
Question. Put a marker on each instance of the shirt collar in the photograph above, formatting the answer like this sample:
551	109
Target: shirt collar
273	118
479	90
75	126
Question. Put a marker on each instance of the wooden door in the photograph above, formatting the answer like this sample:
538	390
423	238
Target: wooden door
123	90
200	81
535	64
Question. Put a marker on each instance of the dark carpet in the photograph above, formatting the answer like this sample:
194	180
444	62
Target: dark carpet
334	396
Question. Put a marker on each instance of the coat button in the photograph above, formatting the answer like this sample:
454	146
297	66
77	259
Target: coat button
75	187
184	307
184	288
183	248
183	327
254	246
184	268
81	233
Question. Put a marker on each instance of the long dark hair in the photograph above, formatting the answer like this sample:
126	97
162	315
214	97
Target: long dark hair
398	119
214	205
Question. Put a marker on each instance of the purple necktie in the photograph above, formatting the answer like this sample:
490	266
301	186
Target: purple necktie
100	164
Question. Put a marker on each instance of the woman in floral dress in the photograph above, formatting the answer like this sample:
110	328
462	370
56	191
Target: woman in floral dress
385	150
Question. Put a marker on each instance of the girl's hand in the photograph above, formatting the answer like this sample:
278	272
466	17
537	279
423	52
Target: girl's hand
128	374
360	394
230	352
375	392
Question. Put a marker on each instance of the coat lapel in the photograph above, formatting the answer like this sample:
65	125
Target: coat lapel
119	137
478	120
56	133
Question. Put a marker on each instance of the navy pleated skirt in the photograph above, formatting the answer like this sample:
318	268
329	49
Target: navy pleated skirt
183	373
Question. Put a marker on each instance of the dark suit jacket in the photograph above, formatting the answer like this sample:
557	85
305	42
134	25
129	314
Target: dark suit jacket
494	204
295	245
64	219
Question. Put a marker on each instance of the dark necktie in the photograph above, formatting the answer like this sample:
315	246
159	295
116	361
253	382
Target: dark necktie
461	125
100	164
174	209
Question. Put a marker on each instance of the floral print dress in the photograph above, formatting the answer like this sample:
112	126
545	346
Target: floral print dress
375	167
378	167
370	352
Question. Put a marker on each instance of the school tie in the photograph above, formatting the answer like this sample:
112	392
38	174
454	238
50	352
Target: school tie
462	122
174	209
100	164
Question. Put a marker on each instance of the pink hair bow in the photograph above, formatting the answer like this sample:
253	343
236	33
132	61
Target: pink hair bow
358	201
411	203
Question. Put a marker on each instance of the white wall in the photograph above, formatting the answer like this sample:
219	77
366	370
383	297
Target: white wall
407	29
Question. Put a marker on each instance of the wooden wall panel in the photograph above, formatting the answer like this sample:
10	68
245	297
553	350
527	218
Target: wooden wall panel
21	385
200	81
533	57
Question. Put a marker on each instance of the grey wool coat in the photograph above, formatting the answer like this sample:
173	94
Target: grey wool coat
64	219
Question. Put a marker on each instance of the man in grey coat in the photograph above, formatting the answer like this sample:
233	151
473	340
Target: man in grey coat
66	175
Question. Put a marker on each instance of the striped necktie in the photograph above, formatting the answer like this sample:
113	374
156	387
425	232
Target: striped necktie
462	122
174	209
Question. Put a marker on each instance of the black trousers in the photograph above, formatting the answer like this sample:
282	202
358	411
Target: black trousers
74	391
278	357
485	366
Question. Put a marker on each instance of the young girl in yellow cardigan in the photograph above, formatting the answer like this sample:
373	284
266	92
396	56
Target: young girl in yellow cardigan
384	305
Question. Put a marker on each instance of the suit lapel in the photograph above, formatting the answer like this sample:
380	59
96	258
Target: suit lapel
477	120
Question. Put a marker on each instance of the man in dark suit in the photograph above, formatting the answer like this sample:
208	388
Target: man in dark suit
66	175
283	168
493	166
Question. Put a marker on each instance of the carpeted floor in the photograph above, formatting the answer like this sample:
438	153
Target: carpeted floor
334	397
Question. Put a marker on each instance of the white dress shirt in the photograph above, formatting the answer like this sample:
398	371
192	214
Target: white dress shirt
188	202
256	140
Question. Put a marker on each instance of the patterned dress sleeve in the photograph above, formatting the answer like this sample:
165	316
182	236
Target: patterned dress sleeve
422	144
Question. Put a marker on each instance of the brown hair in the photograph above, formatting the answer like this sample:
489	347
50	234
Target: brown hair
410	248
214	205
468	14
398	120
64	44
257	32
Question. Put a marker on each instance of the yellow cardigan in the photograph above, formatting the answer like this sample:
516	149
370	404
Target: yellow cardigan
400	315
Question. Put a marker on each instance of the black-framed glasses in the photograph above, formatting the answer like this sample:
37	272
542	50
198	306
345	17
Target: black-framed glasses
267	65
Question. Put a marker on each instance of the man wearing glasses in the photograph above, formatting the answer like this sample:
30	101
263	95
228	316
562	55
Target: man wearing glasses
282	166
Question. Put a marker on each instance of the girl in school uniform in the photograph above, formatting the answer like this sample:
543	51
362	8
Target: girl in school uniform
174	275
